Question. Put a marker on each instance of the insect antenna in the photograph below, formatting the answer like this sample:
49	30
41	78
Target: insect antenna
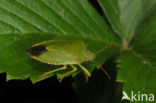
101	50
102	69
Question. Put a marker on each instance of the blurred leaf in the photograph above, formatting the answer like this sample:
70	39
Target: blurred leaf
125	16
26	22
138	65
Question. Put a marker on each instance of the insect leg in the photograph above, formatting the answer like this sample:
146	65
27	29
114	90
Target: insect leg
101	50
52	71
85	70
102	69
74	69
105	73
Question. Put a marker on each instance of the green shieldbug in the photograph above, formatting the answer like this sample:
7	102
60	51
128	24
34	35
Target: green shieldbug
62	52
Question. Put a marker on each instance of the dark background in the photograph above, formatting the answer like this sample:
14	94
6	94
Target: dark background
46	91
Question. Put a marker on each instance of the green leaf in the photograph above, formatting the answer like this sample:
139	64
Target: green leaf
26	22
125	16
138	65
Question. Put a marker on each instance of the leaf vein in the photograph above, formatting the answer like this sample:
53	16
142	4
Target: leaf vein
11	26
78	19
63	18
19	17
53	24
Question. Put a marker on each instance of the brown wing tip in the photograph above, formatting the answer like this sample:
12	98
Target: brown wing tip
36	50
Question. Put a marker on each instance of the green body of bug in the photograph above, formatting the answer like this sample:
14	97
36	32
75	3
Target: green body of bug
58	52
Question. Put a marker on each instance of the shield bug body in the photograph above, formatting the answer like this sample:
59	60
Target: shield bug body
62	52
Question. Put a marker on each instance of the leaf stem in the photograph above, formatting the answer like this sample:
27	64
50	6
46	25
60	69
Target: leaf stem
124	45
